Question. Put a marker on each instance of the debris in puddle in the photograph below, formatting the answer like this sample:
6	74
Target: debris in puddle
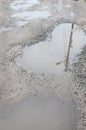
22	23
69	46
59	62
43	57
38	113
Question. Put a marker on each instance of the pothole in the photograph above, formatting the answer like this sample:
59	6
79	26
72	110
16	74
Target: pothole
49	56
38	113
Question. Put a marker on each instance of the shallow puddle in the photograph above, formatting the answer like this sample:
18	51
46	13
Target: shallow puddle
21	13
27	15
3	29
49	56
38	113
23	4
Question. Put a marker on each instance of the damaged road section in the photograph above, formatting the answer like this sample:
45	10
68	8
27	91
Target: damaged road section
49	56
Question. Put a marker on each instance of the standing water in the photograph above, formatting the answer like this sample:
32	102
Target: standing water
23	4
22	13
49	56
38	113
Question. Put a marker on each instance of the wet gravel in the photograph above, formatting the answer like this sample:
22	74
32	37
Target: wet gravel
79	80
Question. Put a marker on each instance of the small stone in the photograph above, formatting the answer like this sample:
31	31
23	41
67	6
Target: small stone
84	101
35	95
84	124
76	93
83	115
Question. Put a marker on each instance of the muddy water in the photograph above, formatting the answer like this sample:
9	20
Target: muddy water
38	113
43	57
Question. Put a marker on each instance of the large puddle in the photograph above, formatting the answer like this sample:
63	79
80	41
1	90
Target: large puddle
38	113
49	56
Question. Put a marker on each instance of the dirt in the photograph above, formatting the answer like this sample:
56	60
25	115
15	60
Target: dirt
15	82
79	79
